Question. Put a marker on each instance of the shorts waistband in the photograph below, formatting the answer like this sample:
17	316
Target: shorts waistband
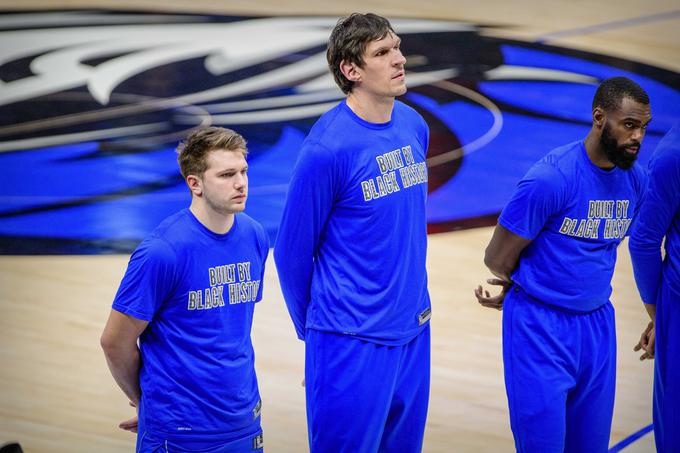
518	289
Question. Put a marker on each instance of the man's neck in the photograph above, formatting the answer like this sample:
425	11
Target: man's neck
214	221
369	108
595	152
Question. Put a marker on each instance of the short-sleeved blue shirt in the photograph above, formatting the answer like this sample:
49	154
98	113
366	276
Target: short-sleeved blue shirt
197	289
576	214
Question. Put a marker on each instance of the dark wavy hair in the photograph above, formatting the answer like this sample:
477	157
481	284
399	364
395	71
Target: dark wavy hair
348	42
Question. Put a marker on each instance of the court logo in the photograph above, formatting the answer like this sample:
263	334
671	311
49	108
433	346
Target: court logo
104	97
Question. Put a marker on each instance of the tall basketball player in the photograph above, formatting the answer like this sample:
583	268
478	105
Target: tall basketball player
351	252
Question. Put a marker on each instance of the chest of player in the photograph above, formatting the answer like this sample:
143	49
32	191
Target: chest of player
390	175
597	211
220	282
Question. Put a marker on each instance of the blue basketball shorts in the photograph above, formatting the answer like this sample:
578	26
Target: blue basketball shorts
667	371
560	375
364	397
249	440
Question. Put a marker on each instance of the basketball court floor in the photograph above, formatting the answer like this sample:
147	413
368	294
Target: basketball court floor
94	96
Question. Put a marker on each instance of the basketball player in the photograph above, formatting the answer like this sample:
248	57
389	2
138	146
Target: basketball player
553	252
351	252
659	285
188	295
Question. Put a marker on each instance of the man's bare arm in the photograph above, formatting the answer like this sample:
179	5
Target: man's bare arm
119	342
502	253
501	257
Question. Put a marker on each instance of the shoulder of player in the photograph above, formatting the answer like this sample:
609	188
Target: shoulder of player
171	233
250	230
402	106
565	153
560	162
324	126
408	112
320	151
172	225
155	248
666	159
550	170
248	224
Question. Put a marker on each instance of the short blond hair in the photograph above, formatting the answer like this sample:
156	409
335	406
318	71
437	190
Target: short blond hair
192	153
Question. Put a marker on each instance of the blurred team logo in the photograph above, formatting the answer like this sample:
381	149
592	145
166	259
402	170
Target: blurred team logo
92	105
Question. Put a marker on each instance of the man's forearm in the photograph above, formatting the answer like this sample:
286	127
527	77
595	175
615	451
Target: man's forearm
500	269
502	254
651	311
124	366
503	274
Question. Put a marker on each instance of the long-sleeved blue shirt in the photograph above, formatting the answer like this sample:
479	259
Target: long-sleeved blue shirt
352	243
659	217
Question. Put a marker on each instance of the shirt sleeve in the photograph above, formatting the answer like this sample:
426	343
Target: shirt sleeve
538	196
425	140
661	201
308	204
641	188
148	280
263	246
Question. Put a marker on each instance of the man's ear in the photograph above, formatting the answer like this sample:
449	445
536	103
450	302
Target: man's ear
350	71
599	117
195	185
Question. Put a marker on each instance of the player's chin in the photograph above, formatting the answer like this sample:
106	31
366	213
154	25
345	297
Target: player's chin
239	206
400	90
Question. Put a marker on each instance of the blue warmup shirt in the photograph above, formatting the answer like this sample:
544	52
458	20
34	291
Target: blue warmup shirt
352	243
576	214
197	290
659	217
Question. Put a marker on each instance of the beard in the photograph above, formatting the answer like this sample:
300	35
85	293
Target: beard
617	154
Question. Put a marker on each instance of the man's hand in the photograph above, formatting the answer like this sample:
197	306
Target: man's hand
486	300
647	342
131	424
